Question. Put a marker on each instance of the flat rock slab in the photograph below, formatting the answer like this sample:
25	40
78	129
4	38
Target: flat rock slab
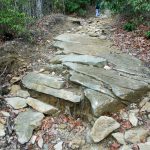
128	64
25	123
101	102
103	127
83	59
121	86
43	79
72	95
82	44
16	102
41	106
89	82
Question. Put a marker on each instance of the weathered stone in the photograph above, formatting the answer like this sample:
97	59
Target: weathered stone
73	95
22	93
119	137
16	102
103	126
136	135
25	123
41	106
144	146
83	59
90	83
2	130
101	102
113	79
133	117
43	79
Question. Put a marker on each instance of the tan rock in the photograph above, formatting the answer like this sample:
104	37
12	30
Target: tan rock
103	127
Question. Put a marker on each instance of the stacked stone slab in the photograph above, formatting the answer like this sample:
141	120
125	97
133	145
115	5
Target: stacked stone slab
105	79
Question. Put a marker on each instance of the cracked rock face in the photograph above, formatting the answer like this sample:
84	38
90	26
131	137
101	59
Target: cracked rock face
25	123
103	127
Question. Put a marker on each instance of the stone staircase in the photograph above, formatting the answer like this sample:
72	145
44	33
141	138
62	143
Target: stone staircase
90	70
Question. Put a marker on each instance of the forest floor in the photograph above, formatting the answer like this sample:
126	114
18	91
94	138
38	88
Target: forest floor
19	57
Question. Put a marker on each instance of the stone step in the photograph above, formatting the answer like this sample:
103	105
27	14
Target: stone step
83	59
41	106
72	94
122	87
43	79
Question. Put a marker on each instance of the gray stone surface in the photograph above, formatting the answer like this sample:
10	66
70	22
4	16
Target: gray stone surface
73	95
89	82
16	102
25	123
83	59
82	44
41	106
2	130
103	127
120	84
136	135
43	79
126	147
101	102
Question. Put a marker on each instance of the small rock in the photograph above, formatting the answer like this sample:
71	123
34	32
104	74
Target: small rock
2	130
136	135
22	93
124	115
40	142
144	146
133	117
41	106
15	79
25	123
146	107
16	102
103	126
58	146
119	137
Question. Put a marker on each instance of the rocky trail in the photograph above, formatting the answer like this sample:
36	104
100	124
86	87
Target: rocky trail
87	95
